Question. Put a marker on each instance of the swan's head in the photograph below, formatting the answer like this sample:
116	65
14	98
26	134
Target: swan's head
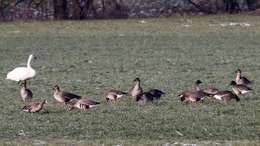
32	57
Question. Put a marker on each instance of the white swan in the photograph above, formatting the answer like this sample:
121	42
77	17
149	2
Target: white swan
22	73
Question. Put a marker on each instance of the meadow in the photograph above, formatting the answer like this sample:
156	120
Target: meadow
89	57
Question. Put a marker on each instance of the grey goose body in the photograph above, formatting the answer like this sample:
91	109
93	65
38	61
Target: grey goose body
35	106
62	96
241	80
113	95
25	92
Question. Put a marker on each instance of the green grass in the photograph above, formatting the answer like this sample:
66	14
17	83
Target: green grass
88	57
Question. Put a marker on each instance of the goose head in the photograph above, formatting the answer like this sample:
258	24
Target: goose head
137	80
198	82
238	71
56	88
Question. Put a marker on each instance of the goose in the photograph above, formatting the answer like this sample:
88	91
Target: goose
192	96
82	104
113	95
137	89
239	88
25	93
62	96
22	73
241	80
35	106
156	93
226	96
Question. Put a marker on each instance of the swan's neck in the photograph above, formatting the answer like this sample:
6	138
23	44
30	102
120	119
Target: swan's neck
29	62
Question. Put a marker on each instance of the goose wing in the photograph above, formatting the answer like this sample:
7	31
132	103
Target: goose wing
69	96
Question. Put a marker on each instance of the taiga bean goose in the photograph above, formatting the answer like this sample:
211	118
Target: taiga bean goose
25	93
35	106
241	80
113	95
137	89
22	73
62	96
82	104
226	96
239	88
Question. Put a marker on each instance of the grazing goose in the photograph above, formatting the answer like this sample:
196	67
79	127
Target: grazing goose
239	88
113	95
35	106
137	89
82	104
22	73
156	93
226	96
242	80
62	96
25	93
192	96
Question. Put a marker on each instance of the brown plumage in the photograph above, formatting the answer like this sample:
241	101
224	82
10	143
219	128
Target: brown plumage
35	106
113	95
226	96
211	91
239	88
62	96
82	104
25	93
137	89
192	96
241	80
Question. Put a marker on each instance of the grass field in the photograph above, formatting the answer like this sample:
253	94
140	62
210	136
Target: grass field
88	57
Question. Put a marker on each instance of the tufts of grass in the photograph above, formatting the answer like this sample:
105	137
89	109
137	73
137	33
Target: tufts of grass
88	57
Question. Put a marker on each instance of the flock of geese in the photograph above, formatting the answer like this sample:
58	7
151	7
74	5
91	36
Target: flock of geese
196	94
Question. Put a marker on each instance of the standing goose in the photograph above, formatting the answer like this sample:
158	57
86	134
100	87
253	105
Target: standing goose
22	73
137	89
156	93
35	106
62	96
241	80
82	104
239	88
226	96
113	95
25	93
